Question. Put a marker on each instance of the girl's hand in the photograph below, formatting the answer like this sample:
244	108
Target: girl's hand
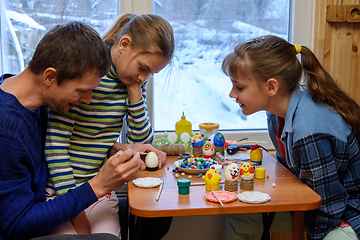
134	92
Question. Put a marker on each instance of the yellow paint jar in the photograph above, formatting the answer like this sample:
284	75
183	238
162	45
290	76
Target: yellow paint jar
260	172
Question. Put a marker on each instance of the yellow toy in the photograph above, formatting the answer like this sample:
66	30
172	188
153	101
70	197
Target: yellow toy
247	171
256	155
212	179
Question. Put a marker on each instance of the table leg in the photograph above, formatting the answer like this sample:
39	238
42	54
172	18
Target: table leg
267	221
134	228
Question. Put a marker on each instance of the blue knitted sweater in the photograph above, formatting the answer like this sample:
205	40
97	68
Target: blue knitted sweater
24	211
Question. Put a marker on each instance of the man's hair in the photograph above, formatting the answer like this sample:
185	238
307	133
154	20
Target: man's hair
72	49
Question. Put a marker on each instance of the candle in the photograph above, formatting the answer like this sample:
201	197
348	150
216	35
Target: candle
260	172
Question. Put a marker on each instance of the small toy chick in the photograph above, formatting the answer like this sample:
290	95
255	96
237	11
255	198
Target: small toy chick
212	179
256	155
247	171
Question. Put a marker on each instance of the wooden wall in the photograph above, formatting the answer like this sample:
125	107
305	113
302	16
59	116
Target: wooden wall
337	47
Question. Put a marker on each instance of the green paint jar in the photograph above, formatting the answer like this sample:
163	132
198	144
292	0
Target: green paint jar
183	185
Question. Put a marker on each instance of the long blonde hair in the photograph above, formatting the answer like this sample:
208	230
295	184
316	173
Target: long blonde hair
149	33
273	57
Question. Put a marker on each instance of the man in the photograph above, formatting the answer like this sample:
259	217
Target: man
67	65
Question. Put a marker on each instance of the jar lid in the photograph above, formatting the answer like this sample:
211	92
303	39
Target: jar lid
209	125
184	182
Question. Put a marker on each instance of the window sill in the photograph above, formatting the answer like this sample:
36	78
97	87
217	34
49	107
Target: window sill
259	136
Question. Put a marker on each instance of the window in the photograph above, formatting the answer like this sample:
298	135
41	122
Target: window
23	23
205	31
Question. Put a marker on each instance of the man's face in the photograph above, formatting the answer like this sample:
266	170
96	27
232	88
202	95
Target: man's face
73	92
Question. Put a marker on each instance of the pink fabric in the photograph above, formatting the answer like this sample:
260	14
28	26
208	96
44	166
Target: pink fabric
102	217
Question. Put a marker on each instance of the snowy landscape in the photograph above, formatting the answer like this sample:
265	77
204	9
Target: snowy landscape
194	83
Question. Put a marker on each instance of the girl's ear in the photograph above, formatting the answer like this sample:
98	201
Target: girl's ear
49	76
272	87
124	43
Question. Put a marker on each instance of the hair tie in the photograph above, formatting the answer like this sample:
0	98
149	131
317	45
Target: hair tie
297	48
132	16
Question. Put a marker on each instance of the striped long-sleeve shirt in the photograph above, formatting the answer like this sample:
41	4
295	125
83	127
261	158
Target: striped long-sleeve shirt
77	142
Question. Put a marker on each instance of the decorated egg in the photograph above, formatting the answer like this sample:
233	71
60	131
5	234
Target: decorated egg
211	138
247	171
256	155
208	149
212	179
232	172
197	140
219	139
151	161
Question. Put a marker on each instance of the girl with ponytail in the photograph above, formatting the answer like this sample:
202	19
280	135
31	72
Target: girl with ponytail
79	142
314	127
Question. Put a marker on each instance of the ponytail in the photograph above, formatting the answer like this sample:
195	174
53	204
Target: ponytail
149	33
323	88
111	35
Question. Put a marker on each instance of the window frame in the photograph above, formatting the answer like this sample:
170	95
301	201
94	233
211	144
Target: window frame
301	32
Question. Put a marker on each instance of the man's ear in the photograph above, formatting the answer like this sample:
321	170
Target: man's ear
124	43
49	76
272	86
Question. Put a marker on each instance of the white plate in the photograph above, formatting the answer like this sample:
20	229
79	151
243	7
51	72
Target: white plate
254	197
147	182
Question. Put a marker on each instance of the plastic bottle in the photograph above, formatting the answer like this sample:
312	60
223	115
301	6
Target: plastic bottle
183	125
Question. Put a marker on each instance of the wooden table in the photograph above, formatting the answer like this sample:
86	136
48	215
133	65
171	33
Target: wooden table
289	194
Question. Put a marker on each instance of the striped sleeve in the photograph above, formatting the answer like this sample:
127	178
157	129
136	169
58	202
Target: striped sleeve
139	127
59	130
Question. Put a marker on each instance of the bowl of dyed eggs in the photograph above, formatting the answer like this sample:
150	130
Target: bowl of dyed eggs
194	165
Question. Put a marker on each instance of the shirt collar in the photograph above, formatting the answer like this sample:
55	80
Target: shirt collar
293	105
112	74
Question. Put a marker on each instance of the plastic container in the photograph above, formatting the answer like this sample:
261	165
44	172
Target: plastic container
183	126
183	185
211	128
260	172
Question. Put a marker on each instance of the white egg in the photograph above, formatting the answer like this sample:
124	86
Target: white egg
232	172
151	160
172	138
185	137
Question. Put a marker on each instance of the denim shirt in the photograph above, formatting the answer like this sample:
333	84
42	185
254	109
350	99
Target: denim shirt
322	151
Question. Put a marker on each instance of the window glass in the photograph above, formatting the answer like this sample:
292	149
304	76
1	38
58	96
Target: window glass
205	32
25	22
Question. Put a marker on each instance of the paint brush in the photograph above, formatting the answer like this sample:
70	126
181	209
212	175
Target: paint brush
217	197
203	183
160	190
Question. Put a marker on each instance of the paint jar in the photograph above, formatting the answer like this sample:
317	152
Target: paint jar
210	128
184	155
184	185
260	172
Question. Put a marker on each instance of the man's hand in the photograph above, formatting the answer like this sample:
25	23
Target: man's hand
117	170
140	148
148	148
